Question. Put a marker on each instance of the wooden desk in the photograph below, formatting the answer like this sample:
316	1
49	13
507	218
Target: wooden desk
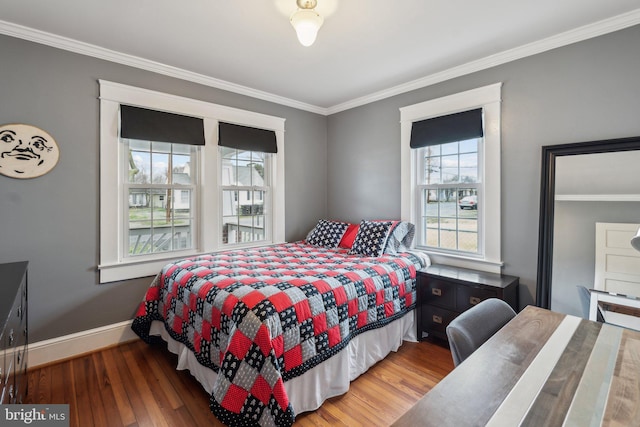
542	368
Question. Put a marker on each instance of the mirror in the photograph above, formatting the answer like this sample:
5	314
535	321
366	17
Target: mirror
549	175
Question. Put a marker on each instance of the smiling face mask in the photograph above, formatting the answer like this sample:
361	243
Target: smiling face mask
26	151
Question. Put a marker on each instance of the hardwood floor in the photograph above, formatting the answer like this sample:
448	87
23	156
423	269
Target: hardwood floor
135	384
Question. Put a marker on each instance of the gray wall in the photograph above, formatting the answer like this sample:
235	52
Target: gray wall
346	166
52	221
586	91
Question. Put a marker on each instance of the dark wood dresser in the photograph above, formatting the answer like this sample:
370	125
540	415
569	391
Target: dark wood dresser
445	291
14	332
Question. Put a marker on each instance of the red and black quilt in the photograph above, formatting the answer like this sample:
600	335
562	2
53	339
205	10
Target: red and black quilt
261	316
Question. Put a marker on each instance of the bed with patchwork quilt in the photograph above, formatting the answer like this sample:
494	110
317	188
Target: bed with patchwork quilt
261	318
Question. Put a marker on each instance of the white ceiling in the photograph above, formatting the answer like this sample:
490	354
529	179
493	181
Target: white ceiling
366	49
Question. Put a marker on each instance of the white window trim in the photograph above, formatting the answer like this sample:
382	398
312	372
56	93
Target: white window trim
489	99
113	265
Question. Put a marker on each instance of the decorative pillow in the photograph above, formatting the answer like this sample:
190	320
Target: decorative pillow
400	238
349	236
371	238
327	233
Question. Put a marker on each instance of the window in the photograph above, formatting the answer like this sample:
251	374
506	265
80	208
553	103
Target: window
448	196
161	192
451	182
244	174
164	200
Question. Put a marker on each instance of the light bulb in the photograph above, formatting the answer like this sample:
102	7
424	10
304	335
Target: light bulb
306	22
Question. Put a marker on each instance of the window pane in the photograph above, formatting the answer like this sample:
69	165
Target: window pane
161	236
160	220
228	168
469	167
181	169
229	203
450	169
469	146
448	239
432	150
138	144
244	209
430	198
139	237
159	167
243	168
139	166
182	204
468	235
230	229
182	235
432	170
450	219
450	148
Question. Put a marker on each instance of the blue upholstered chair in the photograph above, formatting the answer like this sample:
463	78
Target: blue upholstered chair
472	328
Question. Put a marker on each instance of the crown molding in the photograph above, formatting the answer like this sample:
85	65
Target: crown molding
569	37
71	45
563	39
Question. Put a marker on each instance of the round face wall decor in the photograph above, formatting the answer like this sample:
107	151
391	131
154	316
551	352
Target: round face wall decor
26	151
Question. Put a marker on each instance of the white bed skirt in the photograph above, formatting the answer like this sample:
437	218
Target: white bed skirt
330	378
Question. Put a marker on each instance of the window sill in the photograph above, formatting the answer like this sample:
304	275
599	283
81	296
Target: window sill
462	261
136	268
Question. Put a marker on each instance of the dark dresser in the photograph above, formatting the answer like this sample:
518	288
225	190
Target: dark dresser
14	332
445	291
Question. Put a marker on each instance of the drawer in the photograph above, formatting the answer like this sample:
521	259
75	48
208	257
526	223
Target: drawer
435	320
21	374
468	296
438	292
4	362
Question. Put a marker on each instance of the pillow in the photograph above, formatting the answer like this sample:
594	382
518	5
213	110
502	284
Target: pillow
401	238
371	238
349	236
327	234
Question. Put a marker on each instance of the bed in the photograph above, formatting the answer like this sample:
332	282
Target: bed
274	331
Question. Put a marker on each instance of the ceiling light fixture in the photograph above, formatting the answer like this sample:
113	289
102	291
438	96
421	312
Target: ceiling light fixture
306	21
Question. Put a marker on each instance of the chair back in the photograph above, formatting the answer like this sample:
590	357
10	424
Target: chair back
472	328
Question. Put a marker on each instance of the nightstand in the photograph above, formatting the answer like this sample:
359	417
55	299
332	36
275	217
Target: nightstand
445	291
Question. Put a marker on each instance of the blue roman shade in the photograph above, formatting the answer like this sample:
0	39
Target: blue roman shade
152	125
445	129
246	138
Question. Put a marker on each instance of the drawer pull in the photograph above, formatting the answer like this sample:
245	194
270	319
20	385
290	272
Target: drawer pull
20	312
437	319
11	391
474	300
19	357
436	291
11	339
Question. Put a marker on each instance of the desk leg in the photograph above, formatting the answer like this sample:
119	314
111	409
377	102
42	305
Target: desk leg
593	307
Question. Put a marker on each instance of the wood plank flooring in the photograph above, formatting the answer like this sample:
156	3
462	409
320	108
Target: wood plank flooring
135	385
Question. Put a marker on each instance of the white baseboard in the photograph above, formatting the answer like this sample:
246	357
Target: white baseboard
60	348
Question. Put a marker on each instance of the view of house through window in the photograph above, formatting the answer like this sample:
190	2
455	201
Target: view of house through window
161	192
244	192
448	188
